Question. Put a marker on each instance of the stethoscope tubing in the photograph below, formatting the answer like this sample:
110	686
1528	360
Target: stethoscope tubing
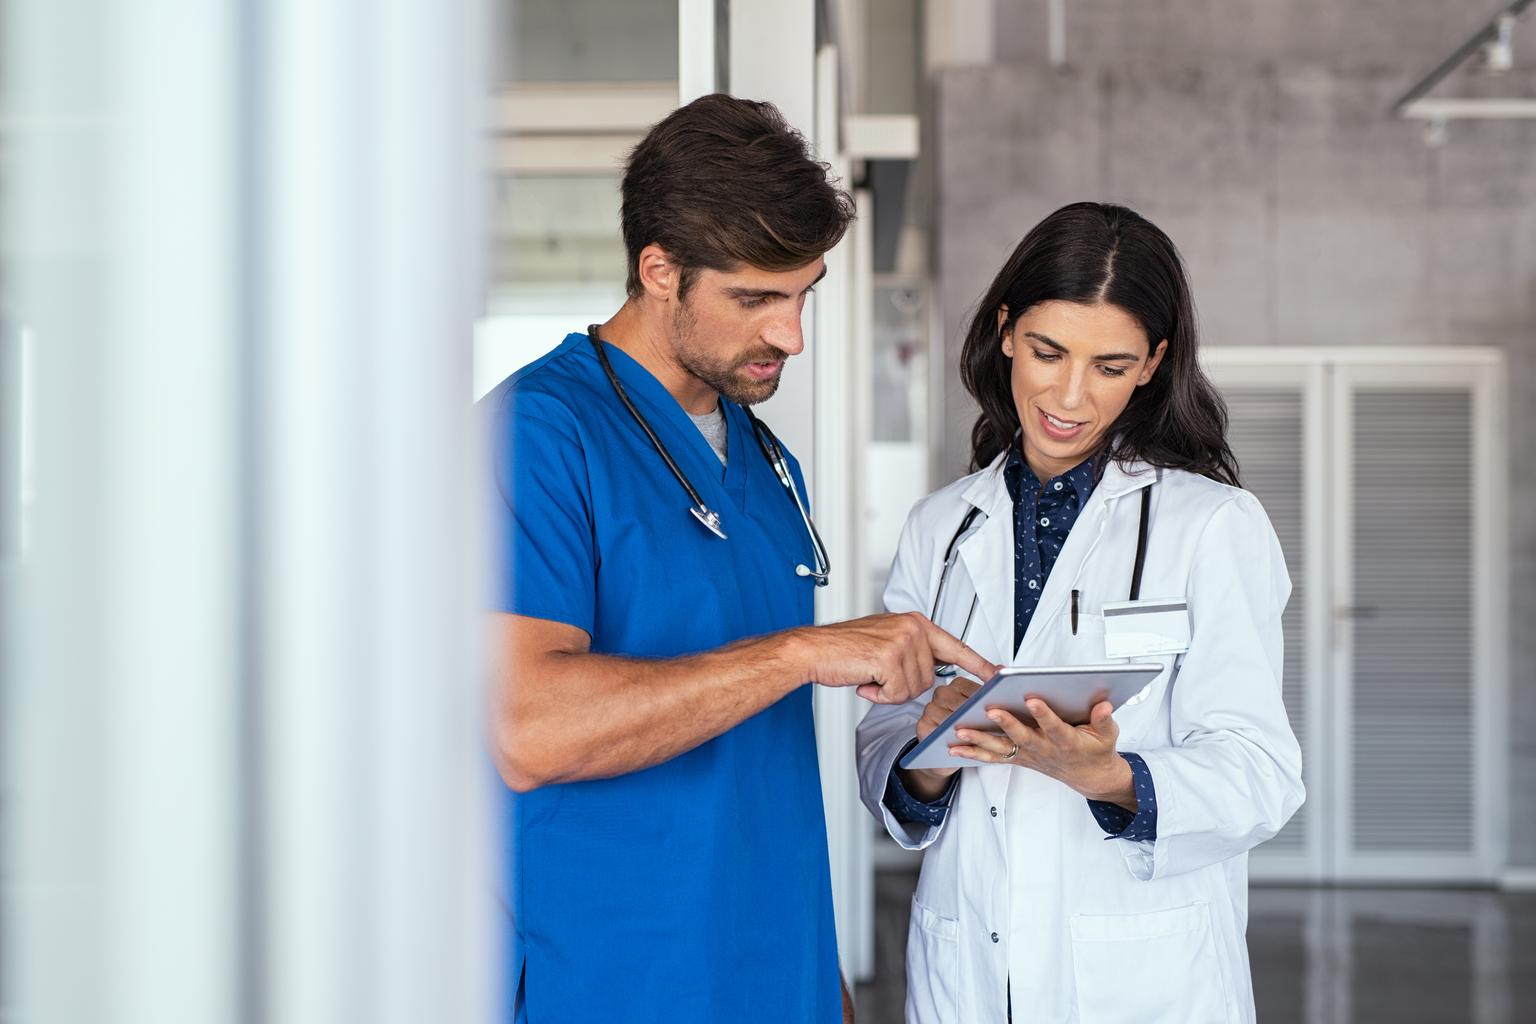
702	512
945	670
767	442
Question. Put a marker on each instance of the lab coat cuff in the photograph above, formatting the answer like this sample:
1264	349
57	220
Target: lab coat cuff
920	833
1146	856
1131	826
912	810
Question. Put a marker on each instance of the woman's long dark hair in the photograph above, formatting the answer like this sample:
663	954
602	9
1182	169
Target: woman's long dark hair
1090	253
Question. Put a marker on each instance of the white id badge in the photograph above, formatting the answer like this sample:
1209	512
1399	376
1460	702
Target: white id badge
1138	629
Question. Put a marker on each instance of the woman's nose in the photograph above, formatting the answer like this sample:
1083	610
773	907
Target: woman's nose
1073	388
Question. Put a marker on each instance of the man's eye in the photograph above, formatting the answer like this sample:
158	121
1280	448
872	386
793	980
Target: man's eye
753	303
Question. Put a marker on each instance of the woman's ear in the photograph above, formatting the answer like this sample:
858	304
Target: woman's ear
1152	364
1003	332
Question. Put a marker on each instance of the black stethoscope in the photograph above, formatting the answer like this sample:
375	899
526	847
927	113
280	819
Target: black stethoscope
772	451
952	552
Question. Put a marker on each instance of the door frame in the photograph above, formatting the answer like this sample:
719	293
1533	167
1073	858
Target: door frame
1236	367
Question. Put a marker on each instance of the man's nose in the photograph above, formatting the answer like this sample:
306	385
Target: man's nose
786	334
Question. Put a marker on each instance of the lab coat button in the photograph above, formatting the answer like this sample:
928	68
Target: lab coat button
994	936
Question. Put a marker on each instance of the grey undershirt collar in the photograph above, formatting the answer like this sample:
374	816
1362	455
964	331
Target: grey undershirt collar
712	425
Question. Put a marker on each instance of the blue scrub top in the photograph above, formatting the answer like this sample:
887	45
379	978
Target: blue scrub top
698	889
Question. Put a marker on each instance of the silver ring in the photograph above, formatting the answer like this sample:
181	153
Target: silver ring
1012	753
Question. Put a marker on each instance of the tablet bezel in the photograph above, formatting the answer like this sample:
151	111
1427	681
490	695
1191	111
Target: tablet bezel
1060	686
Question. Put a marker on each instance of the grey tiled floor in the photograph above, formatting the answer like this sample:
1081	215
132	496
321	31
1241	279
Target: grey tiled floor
1329	956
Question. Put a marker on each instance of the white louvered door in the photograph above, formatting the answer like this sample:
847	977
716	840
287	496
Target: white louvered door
1419	498
1384	481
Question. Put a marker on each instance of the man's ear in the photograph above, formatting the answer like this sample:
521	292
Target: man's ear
1003	332
659	276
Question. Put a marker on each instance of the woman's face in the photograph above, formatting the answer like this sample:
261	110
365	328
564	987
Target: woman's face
1074	369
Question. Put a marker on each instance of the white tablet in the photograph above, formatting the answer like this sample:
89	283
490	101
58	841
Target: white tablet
1070	691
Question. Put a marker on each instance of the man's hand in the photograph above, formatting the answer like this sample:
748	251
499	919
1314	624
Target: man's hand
890	658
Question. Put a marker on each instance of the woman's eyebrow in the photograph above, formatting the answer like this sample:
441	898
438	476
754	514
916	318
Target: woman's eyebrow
1108	357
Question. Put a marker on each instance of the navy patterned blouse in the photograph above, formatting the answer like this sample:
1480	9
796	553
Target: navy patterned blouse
1043	516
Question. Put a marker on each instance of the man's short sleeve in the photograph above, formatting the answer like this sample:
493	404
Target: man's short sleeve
546	564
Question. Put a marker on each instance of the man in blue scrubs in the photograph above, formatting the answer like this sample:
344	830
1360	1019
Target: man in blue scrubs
666	852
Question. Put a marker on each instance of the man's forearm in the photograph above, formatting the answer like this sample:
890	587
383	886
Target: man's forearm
562	713
593	716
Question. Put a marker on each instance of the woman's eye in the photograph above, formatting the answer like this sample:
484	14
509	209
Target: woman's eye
1046	357
1113	371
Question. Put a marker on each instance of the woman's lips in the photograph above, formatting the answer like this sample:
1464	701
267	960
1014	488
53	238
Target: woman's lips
1055	431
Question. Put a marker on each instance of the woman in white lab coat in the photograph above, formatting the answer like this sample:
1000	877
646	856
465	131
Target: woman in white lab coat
1099	872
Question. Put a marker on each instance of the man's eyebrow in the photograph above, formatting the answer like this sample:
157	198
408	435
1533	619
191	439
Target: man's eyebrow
1108	357
771	293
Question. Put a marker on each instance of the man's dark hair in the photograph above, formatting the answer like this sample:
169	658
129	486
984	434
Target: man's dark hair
724	183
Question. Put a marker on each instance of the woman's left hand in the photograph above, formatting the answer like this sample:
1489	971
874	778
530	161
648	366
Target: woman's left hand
1081	756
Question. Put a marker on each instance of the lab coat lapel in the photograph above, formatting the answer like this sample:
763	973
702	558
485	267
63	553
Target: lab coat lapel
1087	534
987	557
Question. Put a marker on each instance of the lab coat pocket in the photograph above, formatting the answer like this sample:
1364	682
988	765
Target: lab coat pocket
1158	966
1083	645
1086	647
933	966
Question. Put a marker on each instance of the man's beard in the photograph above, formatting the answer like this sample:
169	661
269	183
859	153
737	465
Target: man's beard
722	375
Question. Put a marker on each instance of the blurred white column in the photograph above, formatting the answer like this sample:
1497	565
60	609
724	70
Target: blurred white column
121	652
696	48
376	843
243	772
818	414
773	57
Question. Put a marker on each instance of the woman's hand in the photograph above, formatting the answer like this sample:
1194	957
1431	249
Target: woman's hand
1082	756
929	783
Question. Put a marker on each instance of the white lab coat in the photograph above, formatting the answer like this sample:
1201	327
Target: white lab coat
1019	885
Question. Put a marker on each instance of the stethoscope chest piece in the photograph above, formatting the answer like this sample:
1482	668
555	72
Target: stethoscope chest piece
710	518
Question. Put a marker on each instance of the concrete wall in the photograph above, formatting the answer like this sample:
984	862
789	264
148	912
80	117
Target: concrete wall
1255	133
